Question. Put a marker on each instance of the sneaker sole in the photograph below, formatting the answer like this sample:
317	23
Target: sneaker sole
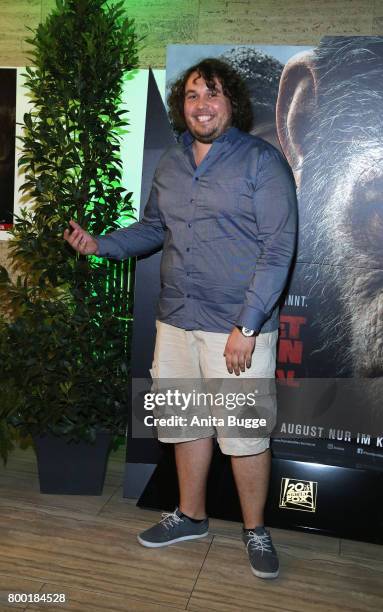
161	544
265	575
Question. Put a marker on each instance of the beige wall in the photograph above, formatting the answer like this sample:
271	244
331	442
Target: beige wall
3	253
208	21
205	21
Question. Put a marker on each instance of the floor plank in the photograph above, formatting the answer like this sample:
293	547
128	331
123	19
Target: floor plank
25	493
86	547
88	601
14	584
368	555
96	555
226	584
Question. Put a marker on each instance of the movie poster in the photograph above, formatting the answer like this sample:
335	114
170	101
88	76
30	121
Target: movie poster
7	145
322	108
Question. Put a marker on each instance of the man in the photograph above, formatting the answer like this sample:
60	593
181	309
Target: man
222	206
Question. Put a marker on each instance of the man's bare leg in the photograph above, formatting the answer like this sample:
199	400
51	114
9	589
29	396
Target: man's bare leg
193	461
251	475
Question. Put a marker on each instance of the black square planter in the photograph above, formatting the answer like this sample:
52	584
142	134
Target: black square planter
72	468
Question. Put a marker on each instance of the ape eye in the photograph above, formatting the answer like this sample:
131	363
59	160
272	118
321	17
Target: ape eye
366	216
372	194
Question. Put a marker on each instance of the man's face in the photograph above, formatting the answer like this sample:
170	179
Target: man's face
207	112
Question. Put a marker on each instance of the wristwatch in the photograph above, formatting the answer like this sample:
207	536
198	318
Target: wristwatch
245	331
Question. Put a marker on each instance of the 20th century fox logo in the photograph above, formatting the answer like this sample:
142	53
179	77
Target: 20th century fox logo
298	494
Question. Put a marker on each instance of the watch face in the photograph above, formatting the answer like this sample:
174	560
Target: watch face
247	332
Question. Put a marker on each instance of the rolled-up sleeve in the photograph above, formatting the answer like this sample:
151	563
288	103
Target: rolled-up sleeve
141	238
275	212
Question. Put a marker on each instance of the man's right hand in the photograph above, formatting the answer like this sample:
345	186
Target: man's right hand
80	240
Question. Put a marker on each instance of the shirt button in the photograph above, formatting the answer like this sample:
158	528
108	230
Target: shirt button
188	295
188	249
191	199
189	224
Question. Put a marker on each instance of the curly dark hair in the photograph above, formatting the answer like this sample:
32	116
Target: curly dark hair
232	86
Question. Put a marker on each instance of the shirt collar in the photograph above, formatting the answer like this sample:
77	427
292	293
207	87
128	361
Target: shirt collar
231	135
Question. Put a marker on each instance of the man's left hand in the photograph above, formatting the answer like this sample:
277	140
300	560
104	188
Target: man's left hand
238	352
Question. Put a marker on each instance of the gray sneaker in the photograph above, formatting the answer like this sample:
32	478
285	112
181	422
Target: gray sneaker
173	527
262	554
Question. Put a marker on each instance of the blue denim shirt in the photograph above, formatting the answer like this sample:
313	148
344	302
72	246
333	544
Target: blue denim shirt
227	228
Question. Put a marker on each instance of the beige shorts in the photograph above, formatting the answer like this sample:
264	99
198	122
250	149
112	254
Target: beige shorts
193	355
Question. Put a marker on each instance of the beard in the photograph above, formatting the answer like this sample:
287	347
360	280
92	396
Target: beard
207	137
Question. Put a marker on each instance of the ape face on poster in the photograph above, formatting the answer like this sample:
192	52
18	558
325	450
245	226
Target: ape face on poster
330	128
322	108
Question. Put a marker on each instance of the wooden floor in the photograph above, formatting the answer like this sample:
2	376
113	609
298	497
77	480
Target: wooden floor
86	547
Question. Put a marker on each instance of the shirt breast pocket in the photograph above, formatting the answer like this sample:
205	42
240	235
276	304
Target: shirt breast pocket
229	196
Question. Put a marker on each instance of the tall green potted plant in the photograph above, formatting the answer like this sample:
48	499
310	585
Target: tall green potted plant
64	347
